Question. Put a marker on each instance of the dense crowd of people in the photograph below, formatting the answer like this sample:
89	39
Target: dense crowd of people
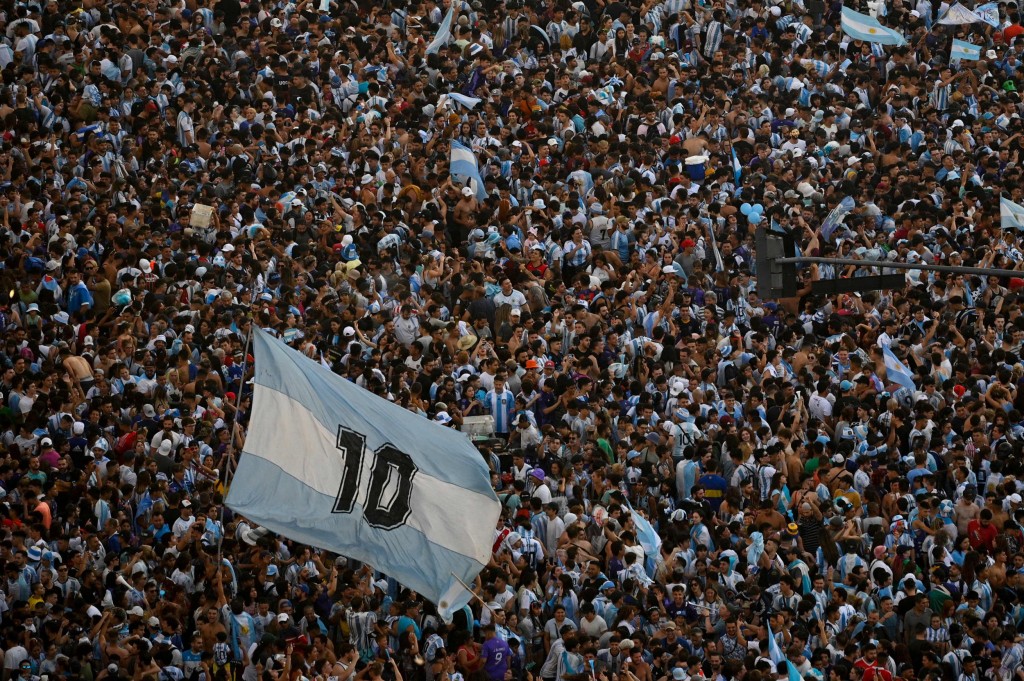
172	174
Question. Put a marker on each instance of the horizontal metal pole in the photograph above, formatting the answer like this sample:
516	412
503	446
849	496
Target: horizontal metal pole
831	287
885	264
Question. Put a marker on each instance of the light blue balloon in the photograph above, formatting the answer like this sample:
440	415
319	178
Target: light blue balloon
755	218
746	208
757	208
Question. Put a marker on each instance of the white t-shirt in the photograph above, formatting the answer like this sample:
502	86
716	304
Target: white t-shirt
516	299
14	657
819	407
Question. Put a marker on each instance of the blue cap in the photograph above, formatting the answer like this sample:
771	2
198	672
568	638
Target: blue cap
607	585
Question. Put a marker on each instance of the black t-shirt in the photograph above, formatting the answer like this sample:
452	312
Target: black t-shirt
917	649
231	9
482	308
305	94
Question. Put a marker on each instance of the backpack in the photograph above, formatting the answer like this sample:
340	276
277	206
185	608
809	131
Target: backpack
269	173
730	373
243	170
749	472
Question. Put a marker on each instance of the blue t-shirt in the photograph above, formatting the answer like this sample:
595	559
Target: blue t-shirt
403	625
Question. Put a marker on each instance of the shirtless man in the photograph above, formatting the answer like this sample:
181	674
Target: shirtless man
78	369
209	627
999	516
465	209
768	515
996	572
662	82
965	510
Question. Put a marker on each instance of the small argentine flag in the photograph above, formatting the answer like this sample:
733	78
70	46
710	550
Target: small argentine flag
897	371
963	50
1011	215
863	27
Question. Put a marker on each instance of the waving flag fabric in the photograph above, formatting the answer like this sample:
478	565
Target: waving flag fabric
331	465
774	652
957	15
964	50
464	100
1011	215
648	538
863	27
989	13
464	168
897	371
836	217
444	32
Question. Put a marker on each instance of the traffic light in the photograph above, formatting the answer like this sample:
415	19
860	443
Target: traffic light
775	279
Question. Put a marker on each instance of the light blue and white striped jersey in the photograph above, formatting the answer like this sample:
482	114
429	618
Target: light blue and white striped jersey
822	68
803	32
501	406
579	256
185	129
713	37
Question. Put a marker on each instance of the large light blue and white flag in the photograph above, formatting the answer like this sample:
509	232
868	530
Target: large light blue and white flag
737	169
958	15
464	100
444	32
989	13
963	50
1011	215
463	168
863	27
897	371
331	465
836	217
648	538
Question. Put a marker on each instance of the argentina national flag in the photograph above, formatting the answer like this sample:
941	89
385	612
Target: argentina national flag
863	27
1011	214
963	50
463	168
331	465
897	371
